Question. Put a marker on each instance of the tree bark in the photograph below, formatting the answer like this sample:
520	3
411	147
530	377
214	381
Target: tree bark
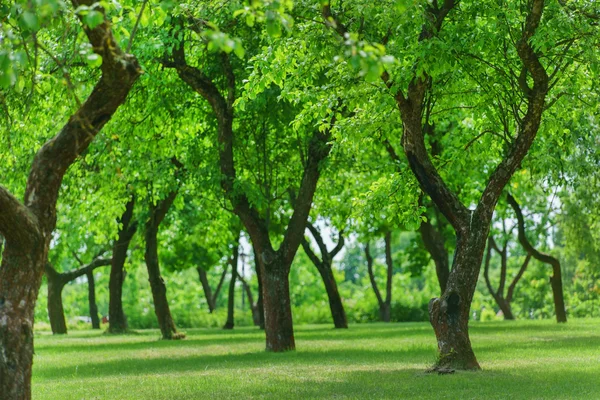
324	266
158	212
27	227
92	300
556	278
230	323
117	321
206	288
259	303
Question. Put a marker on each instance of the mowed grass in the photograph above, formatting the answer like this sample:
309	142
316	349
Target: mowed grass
520	360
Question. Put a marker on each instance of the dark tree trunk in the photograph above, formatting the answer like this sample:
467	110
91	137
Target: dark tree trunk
230	323
206	288
56	312
556	278
157	284
335	301
279	328
385	305
117	321
259	303
323	265
220	285
92	300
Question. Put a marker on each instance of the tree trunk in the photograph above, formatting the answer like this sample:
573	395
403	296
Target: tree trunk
384	312
206	288
117	321
435	245
92	300
335	301
449	314
279	327
259	303
56	312
157	284
253	305
230	323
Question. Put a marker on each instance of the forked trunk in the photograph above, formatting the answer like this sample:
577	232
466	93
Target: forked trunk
335	301
92	300
279	328
449	314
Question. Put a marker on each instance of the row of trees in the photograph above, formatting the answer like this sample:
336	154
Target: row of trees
264	116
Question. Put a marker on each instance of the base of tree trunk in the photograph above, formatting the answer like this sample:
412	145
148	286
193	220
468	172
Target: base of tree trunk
228	325
279	328
174	336
450	324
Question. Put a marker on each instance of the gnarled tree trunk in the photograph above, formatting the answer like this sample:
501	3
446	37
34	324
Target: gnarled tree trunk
117	321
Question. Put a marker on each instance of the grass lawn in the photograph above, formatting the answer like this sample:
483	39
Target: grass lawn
520	360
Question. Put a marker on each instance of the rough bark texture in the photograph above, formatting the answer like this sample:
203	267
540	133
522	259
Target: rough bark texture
230	323
92	300
27	226
117	321
56	284
158	212
501	299
275	264
556	278
324	267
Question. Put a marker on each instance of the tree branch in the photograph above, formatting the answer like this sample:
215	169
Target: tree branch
18	225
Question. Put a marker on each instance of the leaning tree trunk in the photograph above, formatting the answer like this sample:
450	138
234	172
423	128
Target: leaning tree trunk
117	321
336	306
230	323
92	300
206	289
56	312
157	284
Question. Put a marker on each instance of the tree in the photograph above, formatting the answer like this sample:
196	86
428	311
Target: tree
556	278
56	283
27	226
501	299
230	323
324	266
385	305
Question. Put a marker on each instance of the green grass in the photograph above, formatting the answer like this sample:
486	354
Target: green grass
520	360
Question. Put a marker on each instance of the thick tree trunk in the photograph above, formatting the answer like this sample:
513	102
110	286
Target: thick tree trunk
449	314
230	323
56	312
92	300
279	328
157	284
206	288
117	321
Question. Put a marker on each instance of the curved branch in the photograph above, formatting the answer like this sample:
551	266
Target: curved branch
338	247
313	257
513	284
318	238
18	225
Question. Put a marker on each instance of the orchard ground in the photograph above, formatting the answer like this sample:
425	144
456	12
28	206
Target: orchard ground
520	360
